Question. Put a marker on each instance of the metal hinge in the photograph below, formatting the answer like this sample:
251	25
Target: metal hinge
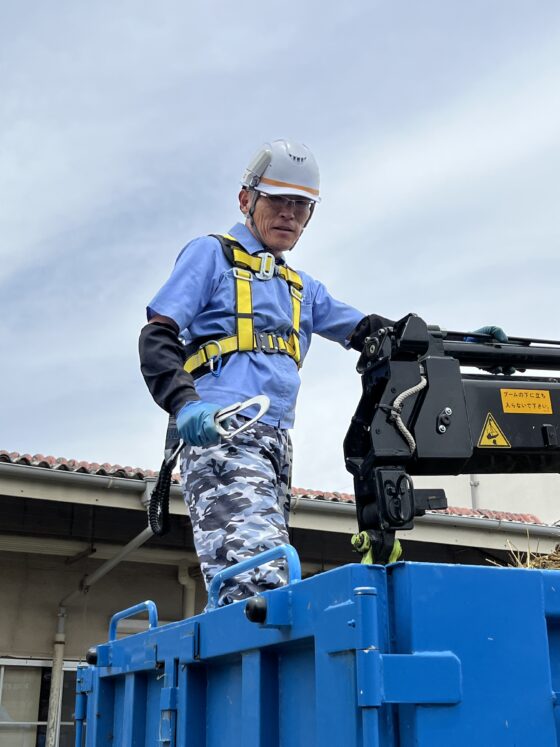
168	720
84	680
424	678
190	644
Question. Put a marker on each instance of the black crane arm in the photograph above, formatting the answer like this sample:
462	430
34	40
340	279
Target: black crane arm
420	414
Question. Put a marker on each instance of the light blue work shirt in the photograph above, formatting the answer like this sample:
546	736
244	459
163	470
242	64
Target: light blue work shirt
200	297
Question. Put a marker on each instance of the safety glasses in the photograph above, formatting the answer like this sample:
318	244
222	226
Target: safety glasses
300	206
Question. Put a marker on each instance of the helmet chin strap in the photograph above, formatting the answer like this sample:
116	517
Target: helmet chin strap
256	232
254	197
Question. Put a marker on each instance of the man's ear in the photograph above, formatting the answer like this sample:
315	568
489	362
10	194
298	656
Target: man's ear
244	199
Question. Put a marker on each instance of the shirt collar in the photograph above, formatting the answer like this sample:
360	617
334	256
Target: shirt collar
249	242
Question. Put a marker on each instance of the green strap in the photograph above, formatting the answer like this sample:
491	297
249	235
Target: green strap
362	544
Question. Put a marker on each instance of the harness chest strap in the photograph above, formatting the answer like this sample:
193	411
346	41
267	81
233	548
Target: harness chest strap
245	268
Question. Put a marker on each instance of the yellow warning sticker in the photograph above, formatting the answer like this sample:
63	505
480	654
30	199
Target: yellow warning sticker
534	401
492	436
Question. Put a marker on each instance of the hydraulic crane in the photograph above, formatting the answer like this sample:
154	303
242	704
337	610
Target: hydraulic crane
420	414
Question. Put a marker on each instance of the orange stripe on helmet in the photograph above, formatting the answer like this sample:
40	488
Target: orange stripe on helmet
276	183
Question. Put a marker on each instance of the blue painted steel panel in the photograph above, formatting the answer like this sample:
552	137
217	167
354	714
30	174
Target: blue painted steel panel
412	655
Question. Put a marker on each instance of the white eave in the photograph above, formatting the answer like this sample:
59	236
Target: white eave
316	514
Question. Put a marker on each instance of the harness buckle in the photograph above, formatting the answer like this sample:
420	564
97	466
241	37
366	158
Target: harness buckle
268	266
240	274
297	294
263	343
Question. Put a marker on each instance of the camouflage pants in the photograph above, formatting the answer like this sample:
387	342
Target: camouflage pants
238	496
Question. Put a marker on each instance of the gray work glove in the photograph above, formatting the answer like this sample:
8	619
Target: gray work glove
500	336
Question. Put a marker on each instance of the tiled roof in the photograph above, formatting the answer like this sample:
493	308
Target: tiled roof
73	465
136	473
321	495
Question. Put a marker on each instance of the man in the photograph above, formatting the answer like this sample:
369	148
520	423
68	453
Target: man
234	321
262	317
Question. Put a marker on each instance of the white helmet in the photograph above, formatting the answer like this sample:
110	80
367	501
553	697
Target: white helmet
283	167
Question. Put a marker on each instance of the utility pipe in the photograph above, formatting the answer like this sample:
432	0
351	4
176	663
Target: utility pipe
474	482
189	590
53	720
89	580
134	544
56	680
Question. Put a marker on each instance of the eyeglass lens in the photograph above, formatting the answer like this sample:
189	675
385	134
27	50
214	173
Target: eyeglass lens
278	202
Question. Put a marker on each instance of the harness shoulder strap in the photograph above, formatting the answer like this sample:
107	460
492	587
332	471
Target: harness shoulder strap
235	254
227	243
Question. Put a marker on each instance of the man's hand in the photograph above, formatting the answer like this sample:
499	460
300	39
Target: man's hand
196	424
500	336
367	328
496	332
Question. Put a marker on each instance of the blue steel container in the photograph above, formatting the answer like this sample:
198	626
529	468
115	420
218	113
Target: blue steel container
412	655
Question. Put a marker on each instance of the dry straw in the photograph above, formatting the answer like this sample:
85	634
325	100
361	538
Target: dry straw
532	559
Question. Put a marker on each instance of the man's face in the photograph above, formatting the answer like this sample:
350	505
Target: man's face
279	220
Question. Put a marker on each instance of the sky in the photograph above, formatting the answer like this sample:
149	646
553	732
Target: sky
125	128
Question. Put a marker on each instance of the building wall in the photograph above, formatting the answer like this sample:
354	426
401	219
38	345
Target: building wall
32	586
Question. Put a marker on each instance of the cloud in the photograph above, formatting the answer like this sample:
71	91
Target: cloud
124	132
504	121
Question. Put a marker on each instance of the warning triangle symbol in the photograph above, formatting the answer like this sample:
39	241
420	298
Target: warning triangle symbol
492	436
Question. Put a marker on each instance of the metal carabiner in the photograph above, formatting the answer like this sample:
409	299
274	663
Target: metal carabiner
261	400
212	358
218	371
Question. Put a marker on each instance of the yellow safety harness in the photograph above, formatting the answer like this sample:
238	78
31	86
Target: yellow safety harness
246	269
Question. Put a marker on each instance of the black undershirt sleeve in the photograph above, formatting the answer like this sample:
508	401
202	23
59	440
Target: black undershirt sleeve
161	363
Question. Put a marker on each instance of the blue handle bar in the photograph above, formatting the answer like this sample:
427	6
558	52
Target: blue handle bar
282	551
148	607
